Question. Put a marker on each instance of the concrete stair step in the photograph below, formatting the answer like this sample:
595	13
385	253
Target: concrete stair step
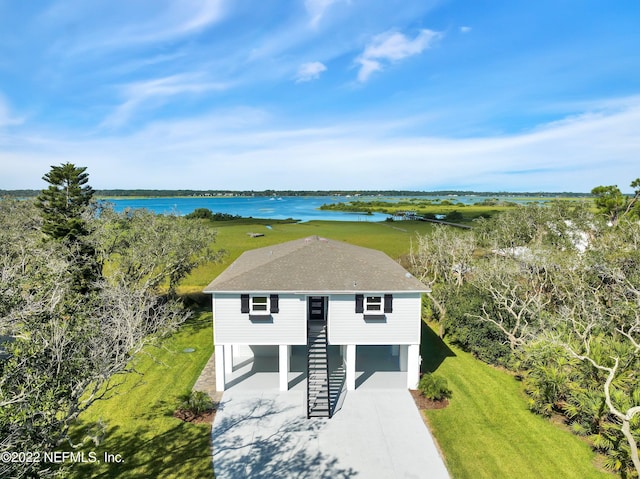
318	392
317	385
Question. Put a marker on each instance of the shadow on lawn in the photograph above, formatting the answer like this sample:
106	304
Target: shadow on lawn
433	350
256	444
200	319
181	451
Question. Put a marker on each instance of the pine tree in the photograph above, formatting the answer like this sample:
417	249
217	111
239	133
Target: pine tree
63	206
64	201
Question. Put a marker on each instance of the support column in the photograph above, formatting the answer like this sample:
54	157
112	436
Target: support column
350	360
218	352
284	352
404	349
228	359
413	366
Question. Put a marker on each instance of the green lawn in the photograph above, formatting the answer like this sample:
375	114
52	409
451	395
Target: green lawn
487	430
140	425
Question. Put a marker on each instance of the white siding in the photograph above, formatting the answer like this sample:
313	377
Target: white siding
288	326
402	326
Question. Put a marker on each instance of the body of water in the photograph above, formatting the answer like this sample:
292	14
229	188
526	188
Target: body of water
303	208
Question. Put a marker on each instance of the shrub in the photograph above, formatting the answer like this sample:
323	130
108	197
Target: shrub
207	214
434	387
455	215
195	402
484	340
200	213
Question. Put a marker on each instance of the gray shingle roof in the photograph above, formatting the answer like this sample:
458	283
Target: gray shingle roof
314	265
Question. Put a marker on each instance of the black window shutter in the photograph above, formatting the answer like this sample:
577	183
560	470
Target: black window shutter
359	303
274	308
388	303
244	303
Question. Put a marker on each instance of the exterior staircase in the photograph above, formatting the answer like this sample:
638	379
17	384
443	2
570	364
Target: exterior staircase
319	400
337	379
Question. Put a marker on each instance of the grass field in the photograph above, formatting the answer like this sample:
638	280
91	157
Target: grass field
140	425
486	432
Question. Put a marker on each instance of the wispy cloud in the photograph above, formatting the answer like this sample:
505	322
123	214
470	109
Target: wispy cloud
310	71
6	116
465	29
316	9
148	22
392	47
157	91
558	156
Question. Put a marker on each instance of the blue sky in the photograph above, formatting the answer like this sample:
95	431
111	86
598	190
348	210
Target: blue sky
322	94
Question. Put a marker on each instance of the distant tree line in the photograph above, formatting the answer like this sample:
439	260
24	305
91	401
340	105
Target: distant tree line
154	193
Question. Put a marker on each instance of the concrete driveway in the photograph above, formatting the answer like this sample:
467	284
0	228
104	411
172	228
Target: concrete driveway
376	434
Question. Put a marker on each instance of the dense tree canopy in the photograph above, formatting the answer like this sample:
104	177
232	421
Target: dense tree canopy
61	348
561	287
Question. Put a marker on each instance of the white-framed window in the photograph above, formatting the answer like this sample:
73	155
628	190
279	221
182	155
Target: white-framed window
373	304
259	304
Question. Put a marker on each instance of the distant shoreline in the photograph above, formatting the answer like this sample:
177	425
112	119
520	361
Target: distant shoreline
142	194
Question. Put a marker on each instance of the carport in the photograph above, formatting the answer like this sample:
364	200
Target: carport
257	367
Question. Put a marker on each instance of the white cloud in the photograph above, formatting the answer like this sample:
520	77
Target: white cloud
392	47
465	29
316	9
6	117
158	90
310	71
367	67
98	25
179	18
243	150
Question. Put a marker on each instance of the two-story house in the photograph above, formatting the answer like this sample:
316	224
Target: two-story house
316	292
